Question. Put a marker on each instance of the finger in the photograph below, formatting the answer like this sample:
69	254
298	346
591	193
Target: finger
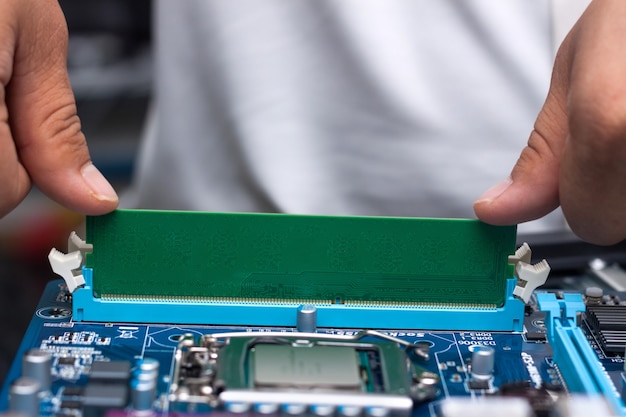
43	119
14	181
15	184
532	190
593	171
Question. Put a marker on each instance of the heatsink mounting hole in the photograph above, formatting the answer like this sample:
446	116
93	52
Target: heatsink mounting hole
54	313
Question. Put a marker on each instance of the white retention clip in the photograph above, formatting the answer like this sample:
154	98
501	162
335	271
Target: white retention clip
69	265
74	243
529	277
523	254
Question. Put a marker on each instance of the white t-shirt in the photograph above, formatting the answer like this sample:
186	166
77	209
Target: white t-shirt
360	107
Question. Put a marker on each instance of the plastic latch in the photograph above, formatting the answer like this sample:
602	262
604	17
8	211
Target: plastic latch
529	277
69	266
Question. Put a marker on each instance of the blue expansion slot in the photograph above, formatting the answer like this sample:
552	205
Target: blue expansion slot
577	362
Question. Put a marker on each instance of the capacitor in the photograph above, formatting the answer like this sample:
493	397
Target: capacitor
294	409
266	408
238	407
483	360
377	412
322	410
349	411
593	295
306	320
36	364
144	384
143	394
149	365
147	369
24	397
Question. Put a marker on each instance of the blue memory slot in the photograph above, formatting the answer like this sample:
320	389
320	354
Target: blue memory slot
87	307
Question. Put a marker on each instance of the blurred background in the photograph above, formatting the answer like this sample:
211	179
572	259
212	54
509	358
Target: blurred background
111	72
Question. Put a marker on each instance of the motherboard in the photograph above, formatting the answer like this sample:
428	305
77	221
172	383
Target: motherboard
310	329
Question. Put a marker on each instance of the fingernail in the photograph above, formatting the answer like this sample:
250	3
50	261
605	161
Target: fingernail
99	186
495	191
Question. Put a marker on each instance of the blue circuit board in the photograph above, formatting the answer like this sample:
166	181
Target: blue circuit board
523	363
75	347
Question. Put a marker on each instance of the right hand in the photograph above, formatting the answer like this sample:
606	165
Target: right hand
576	154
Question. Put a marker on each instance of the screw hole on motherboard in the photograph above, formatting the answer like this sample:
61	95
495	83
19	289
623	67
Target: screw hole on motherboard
54	313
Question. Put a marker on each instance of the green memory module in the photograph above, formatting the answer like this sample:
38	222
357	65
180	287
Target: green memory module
280	258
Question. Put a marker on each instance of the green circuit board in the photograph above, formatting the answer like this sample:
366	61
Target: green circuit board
242	257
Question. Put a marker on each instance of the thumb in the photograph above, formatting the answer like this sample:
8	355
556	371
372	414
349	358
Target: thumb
532	189
42	114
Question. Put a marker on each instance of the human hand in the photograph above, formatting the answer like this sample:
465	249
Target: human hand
40	134
576	154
